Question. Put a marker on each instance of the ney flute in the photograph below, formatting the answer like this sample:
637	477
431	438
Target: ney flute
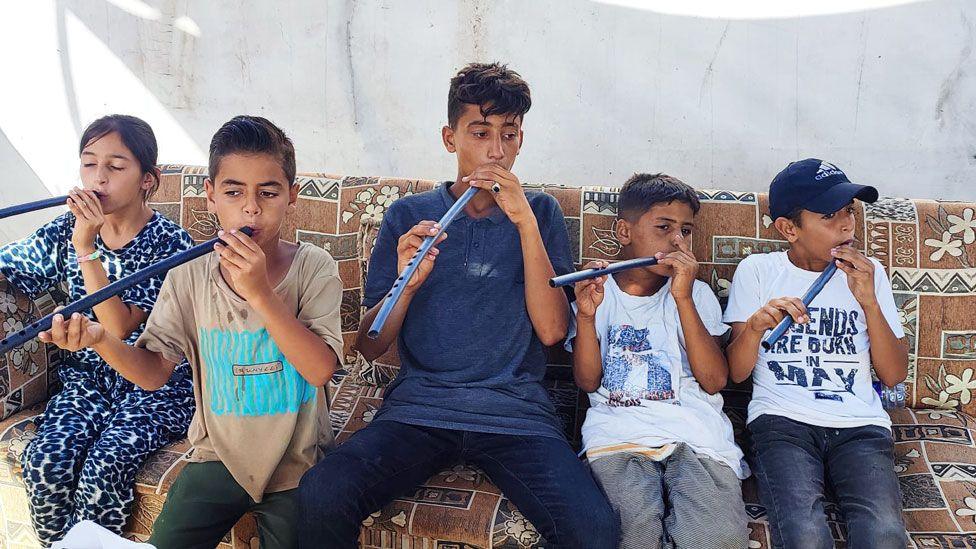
17	339
401	282
787	321
585	274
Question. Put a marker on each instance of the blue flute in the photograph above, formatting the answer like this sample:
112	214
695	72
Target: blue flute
401	282
30	332
573	278
33	206
787	321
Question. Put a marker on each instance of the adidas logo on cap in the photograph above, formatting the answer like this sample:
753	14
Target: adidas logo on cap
827	169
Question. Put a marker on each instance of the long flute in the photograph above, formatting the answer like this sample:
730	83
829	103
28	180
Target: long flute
17	339
787	321
33	206
401	282
585	274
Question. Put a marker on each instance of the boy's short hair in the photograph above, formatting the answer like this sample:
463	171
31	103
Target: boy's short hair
494	87
796	216
252	135
643	190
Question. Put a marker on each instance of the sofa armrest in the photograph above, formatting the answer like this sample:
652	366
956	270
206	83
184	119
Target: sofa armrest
24	371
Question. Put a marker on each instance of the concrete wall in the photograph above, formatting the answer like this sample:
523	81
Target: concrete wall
721	94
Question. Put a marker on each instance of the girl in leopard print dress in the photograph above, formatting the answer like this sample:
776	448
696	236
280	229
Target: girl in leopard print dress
99	429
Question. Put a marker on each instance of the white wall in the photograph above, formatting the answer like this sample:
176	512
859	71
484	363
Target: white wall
721	94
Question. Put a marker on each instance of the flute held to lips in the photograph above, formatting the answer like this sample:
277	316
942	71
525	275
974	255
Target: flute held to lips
11	211
573	278
17	339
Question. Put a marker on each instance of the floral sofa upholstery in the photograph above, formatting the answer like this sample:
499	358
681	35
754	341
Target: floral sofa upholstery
926	246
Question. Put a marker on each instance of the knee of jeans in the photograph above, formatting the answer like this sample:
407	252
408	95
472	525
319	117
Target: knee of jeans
327	485
599	528
804	532
888	528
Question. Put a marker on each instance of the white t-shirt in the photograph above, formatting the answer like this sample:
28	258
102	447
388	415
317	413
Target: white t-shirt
818	373
648	395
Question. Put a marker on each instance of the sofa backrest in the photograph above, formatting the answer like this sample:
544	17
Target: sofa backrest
927	247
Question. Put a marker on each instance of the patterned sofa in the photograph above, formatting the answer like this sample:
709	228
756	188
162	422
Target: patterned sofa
928	248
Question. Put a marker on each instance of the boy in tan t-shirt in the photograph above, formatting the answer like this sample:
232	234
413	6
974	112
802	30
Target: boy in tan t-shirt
258	321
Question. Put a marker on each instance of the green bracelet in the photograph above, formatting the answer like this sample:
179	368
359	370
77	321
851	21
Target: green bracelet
90	257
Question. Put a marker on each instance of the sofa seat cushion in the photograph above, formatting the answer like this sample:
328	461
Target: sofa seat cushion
152	483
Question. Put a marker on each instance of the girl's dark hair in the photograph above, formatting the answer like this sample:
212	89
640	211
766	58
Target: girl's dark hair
136	135
252	135
644	190
494	87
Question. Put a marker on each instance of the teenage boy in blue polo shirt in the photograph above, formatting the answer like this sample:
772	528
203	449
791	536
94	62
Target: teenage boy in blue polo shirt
470	330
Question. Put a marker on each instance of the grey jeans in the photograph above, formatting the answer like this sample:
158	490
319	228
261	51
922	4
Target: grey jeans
683	501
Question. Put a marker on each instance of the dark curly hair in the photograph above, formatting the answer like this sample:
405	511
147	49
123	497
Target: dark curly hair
494	87
252	135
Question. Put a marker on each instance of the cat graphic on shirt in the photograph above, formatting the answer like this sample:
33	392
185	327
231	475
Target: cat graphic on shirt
633	370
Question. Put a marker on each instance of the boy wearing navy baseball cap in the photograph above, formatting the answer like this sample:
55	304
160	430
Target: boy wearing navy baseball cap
815	418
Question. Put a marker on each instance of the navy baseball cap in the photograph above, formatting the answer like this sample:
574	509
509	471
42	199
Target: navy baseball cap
814	185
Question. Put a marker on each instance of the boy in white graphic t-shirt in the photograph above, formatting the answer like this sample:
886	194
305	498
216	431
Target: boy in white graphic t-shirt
646	347
815	417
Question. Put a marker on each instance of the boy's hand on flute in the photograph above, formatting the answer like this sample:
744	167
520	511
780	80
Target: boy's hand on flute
770	314
684	268
246	264
86	207
407	247
509	196
860	273
73	334
589	293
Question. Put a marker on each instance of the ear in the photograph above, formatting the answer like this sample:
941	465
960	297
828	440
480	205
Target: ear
293	196
787	228
150	178
208	188
447	135
623	231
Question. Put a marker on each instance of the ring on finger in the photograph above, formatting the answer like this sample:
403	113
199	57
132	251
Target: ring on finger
496	188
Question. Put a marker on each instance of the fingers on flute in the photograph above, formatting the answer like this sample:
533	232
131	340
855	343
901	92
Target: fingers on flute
853	257
424	228
769	316
73	337
238	242
584	286
794	307
77	197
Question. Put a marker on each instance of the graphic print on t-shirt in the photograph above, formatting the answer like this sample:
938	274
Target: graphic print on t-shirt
633	369
248	375
823	353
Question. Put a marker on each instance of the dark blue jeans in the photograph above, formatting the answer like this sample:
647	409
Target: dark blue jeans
794	462
540	475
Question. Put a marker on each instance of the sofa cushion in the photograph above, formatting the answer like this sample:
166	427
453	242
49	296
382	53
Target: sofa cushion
27	373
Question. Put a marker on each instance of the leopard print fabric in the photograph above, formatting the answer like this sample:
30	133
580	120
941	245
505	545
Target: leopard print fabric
97	432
